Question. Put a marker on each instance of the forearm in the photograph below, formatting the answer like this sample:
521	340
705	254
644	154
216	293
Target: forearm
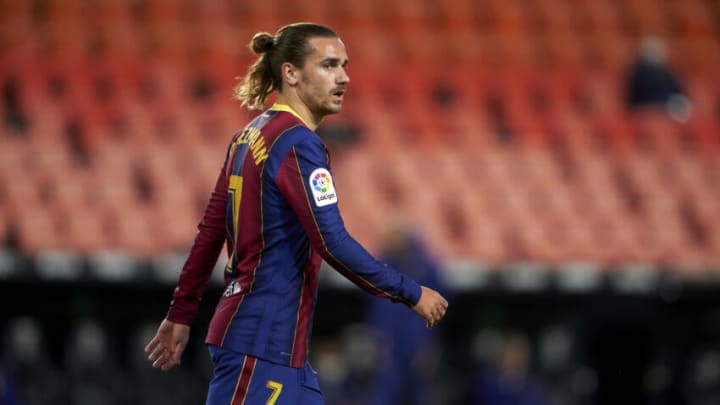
194	279
202	258
349	258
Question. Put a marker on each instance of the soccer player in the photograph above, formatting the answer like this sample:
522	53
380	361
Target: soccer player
275	206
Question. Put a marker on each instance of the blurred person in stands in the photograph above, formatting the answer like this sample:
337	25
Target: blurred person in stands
409	351
651	84
509	381
275	206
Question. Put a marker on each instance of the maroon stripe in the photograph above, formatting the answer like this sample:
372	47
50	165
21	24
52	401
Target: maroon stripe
243	384
299	327
250	236
222	318
305	312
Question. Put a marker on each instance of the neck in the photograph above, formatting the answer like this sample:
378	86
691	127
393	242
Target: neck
293	101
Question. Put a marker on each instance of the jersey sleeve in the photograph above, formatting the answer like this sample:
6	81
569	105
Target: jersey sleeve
202	258
305	181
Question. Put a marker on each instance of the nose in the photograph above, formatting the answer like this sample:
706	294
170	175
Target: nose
344	78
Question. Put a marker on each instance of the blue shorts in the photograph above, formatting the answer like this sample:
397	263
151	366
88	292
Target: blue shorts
240	379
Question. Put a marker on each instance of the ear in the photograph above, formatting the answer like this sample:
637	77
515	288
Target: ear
289	73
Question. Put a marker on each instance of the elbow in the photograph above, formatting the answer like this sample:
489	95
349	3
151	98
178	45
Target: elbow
330	243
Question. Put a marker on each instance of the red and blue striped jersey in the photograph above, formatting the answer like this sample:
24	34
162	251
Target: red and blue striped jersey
275	207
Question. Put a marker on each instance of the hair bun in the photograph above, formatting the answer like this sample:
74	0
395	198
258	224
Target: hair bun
262	42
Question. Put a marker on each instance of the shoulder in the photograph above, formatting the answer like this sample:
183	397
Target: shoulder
300	139
298	143
300	134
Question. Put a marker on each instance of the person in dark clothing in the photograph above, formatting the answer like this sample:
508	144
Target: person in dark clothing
651	84
405	370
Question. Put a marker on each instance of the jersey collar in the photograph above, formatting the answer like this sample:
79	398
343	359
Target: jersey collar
287	108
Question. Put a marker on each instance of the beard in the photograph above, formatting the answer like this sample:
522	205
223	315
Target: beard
322	102
327	106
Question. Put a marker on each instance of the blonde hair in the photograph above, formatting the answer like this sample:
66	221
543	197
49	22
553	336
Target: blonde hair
290	44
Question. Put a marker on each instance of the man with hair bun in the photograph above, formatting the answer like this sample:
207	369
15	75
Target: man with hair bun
275	206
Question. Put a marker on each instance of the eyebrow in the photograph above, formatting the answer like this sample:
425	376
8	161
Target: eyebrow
335	61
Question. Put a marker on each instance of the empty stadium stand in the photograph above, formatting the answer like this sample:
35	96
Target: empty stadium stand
500	126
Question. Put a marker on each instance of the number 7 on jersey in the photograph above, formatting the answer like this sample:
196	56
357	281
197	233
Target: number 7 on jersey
276	387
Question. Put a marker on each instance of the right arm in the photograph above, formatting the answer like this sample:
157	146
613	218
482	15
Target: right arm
203	256
168	344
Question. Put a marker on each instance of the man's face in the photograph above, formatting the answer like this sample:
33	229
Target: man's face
323	80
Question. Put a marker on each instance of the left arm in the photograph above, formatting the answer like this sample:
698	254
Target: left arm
306	182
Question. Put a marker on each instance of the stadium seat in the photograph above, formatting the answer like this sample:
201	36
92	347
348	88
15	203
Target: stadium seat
485	240
134	233
21	196
84	231
37	231
68	189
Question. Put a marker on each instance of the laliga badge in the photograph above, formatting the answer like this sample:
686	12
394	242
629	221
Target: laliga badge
322	187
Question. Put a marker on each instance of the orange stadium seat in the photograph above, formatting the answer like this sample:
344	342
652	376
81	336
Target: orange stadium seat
603	15
510	18
69	189
23	192
704	54
113	192
355	18
113	13
37	231
134	232
63	11
625	244
696	16
684	176
84	231
15	11
584	243
702	209
168	194
484	240
454	16
614	52
570	240
406	17
536	244
649	16
174	225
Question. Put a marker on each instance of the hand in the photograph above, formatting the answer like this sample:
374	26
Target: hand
166	348
431	306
